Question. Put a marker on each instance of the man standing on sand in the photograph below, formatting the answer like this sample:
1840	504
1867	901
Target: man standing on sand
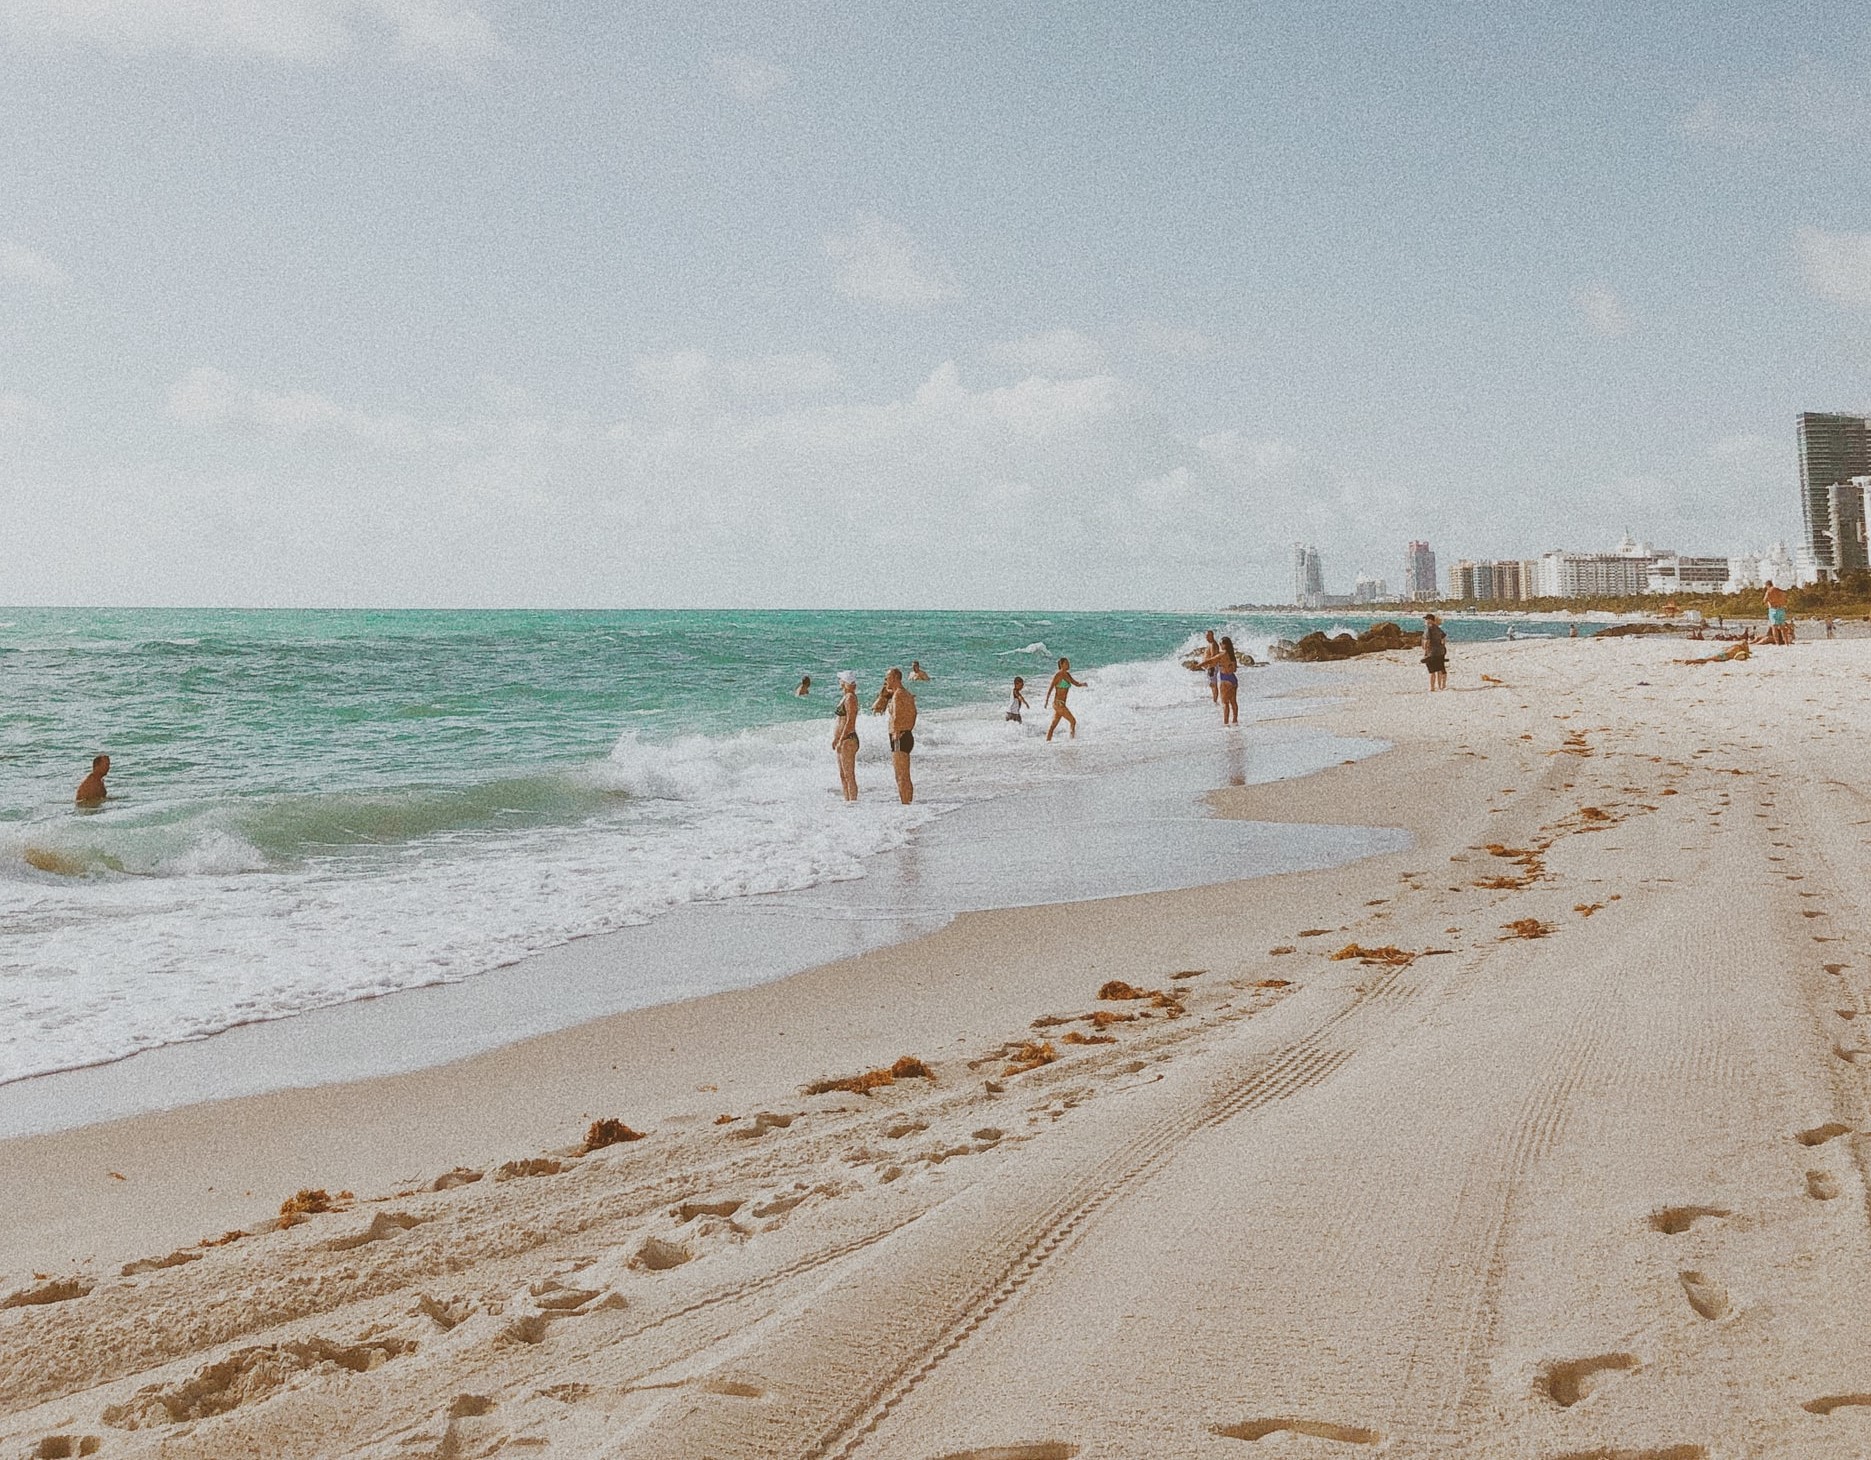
902	712
1435	652
1776	598
91	790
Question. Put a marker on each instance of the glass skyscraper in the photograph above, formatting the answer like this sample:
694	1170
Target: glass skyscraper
1833	450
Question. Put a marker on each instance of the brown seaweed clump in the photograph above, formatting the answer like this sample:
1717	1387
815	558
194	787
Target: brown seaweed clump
1073	1036
908	1067
1526	928
1390	956
307	1202
1030	1055
1117	989
608	1132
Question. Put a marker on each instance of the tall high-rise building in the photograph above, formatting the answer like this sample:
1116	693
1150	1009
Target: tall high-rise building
1833	450
1419	572
1308	577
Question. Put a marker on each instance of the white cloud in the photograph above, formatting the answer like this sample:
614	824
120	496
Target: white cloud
1255	459
1177	341
1836	266
1603	311
437	32
810	372
20	414
881	263
1053	352
694	381
1814	101
749	77
211	398
1168	492
29	266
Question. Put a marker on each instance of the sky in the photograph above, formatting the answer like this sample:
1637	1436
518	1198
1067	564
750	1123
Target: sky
466	303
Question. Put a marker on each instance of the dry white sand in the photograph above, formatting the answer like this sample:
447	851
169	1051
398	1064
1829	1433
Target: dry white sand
1596	1192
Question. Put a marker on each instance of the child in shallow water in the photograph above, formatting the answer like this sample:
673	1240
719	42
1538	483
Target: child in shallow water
1018	702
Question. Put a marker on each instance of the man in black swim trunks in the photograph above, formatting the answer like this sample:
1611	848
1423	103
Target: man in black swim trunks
902	713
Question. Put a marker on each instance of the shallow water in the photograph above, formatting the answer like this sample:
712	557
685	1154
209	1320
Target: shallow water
315	808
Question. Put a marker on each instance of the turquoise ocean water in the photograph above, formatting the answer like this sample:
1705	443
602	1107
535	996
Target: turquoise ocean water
313	807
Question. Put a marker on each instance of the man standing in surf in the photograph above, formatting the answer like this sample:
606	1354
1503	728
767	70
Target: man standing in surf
902	712
1061	686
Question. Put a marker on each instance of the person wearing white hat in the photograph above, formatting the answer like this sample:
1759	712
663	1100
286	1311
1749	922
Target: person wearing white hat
845	733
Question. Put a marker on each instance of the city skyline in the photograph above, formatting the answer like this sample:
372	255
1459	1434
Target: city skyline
470	302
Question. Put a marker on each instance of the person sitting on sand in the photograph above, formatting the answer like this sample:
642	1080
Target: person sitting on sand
1061	686
805	686
917	671
1435	652
902	732
1225	667
845	733
1018	702
91	790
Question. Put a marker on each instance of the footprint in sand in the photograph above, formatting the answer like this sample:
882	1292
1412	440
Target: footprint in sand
1044	1450
58	1290
1820	1134
1568	1381
1674	1221
1318	1429
65	1447
383	1226
1822	1185
1708	1297
1827	1403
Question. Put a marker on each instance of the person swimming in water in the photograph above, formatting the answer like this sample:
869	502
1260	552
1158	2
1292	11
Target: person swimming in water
91	790
1225	666
845	733
1056	693
917	671
805	686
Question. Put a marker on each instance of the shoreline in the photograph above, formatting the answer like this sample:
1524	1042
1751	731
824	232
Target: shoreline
963	861
1563	1120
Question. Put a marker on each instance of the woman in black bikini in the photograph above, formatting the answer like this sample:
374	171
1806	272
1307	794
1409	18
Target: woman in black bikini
845	733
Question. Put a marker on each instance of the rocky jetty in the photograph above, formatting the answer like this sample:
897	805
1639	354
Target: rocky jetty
1317	648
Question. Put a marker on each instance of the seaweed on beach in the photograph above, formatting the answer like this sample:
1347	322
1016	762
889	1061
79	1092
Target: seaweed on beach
608	1132
1389	956
1030	1055
1075	1037
1526	928
309	1202
907	1067
1116	989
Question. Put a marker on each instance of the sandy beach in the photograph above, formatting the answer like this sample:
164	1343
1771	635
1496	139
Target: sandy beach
1538	1139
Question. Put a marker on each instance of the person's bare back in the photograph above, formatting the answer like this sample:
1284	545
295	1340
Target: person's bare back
91	791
